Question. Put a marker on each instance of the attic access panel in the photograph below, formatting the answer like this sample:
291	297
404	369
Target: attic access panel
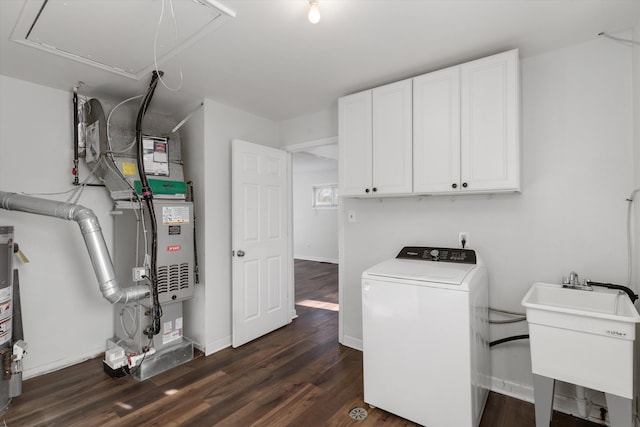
117	35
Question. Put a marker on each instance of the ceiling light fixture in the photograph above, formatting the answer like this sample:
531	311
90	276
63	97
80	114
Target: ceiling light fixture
314	12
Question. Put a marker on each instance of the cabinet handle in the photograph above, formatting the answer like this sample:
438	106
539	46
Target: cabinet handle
366	190
375	189
454	185
465	185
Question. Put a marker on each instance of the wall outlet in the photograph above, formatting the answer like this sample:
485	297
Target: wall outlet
139	273
463	236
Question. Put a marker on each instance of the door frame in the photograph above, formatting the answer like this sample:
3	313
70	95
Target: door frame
298	148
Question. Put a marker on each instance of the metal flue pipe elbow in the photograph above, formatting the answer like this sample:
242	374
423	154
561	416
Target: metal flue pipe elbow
93	239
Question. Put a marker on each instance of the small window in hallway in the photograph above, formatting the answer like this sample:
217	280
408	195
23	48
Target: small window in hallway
325	196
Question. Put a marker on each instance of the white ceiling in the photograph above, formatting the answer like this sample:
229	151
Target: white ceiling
272	62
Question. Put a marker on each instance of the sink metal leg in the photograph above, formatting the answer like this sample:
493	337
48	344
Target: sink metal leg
543	390
620	410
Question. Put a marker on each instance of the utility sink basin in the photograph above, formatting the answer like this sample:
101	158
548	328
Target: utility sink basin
582	337
601	303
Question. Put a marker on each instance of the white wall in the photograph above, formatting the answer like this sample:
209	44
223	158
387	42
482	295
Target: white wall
315	230
65	317
577	152
208	164
192	137
309	127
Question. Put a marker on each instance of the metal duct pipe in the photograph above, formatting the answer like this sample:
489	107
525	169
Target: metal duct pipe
93	239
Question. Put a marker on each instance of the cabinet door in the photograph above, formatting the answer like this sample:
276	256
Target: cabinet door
354	142
392	139
490	129
436	131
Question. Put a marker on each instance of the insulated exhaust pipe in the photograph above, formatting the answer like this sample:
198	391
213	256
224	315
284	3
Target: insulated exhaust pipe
93	239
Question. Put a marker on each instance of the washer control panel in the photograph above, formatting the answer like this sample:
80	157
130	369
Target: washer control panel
427	253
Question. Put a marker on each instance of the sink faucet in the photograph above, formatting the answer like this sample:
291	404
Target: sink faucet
573	282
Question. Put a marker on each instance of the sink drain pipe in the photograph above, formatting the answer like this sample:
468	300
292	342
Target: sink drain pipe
582	402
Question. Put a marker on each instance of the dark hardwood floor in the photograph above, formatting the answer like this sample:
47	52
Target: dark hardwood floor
296	376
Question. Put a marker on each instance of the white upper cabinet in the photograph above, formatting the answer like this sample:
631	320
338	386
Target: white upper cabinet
466	127
392	139
354	143
451	131
375	140
490	123
436	131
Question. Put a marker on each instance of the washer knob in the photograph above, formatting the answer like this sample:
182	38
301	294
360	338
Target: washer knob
434	254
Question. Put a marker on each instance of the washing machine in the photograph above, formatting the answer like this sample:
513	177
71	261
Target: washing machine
426	336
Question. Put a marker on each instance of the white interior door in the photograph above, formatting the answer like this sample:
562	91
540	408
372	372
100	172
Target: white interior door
262	268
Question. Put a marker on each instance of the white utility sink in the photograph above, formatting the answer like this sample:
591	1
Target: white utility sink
582	337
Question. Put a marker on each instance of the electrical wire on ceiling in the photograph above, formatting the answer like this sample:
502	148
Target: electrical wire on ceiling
155	45
627	42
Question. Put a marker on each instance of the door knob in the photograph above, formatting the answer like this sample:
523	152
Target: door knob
240	253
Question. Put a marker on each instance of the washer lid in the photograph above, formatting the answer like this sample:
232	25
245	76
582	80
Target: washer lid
422	271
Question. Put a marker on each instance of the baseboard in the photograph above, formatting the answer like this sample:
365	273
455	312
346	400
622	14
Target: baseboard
512	389
354	343
217	345
561	403
317	259
62	363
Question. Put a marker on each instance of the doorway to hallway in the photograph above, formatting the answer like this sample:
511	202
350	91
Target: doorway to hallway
316	284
